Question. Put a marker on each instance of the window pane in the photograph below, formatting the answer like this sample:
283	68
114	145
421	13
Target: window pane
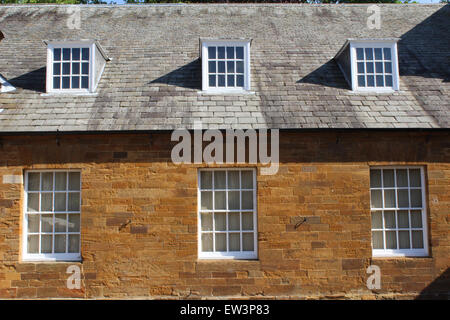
212	81
361	81
379	67
57	69
74	243
234	221
377	239
85	68
240	67
375	199
369	67
416	198
211	52
206	180
389	219
46	223
370	81
85	54
206	221
414	177
388	178
359	53
375	178
247	220
33	244
247	199
85	82
207	242
33	202
60	243
46	201
230	52
221	52
230	66
66	82
387	53
221	81
369	53
247	242
74	201
403	201
239	52
380	81
388	80
233	200
74	223
212	67
206	200
221	242
387	67
230	81
219	200
391	240
403	239
33	223
239	81
389	199
417	239
75	82
402	178
233	179
377	220
46	243
47	181
234	242
378	54
76	54
56	83
221	67
220	222
75	68
66	53
360	67
247	179
403	220
60	201
57	54
416	219
219	180
60	181
60	222
74	181
66	68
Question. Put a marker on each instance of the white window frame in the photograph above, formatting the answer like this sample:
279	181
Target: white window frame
204	54
244	255
401	252
71	44
374	44
47	256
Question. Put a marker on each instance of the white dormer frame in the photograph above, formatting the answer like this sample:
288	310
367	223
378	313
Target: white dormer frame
205	43
384	43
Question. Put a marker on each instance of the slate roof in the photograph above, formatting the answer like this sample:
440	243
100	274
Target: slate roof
154	79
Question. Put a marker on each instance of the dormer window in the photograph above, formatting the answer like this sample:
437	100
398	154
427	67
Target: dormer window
370	65
225	65
74	67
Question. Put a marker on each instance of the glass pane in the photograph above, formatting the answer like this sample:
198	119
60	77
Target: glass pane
74	181
66	53
220	200
391	240
230	81
74	243
230	52
47	181
234	242
219	180
206	180
85	82
417	239
361	81
85	54
402	178
388	80
378	54
370	81
46	243
416	198
60	201
247	199
60	181
403	201
403	239
388	178
60	243
239	52
74	223
360	67
379	67
221	67
56	54
239	81
377	239
247	242
33	202
414	177
66	82
221	242
221	81
233	200
56	69
33	223
375	199
60	222
389	198
221	52
46	223
211	52
230	66
416	219
403	221
33	244
46	201
206	200
66	68
387	67
56	83
377	220
207	242
369	53
240	67
359	54
380	81
220	222
369	67
206	221
212	81
75	82
387	53
247	179
75	68
389	219
74	201
233	179
247	220
85	68
76	54
234	221
212	67
375	178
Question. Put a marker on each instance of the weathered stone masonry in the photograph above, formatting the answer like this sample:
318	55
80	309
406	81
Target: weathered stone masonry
139	219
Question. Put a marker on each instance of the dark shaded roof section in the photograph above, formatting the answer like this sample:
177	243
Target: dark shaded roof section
153	81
